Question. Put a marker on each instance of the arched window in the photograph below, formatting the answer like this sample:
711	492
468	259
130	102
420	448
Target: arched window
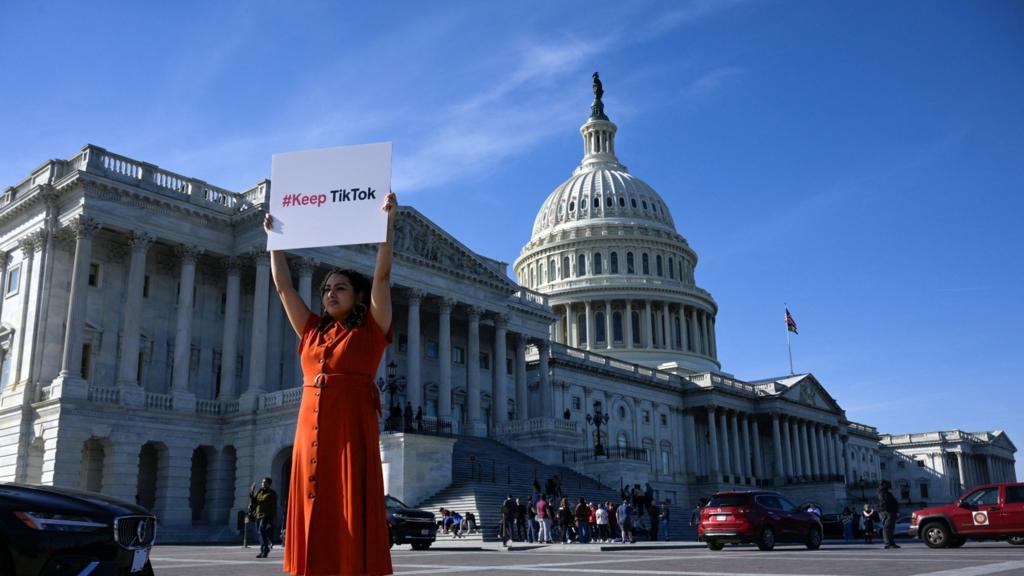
581	327
540	274
621	440
551	270
671	268
572	206
533	272
622	202
646	264
630	268
597	263
565	267
614	262
636	327
599	328
632	201
645	204
617	326
581	265
678	332
608	201
597	202
657	265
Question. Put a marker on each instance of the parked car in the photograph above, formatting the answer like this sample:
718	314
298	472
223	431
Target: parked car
989	512
407	525
49	530
902	527
759	517
831	526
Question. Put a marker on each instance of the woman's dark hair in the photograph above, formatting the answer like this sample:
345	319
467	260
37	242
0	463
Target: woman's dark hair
361	287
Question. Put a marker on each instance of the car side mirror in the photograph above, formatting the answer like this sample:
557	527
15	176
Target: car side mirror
962	504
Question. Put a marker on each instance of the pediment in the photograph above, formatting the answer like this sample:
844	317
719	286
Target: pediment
805	389
419	241
1000	439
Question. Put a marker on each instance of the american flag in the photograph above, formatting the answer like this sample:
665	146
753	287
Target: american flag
790	323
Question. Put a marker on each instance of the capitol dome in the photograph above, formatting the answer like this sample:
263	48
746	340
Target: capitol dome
604	248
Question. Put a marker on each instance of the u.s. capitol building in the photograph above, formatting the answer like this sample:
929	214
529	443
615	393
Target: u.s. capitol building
144	355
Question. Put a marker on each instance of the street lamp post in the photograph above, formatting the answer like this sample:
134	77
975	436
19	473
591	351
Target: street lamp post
597	419
394	386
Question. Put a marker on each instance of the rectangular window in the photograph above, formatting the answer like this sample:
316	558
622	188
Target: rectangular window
647	416
485	361
901	465
458	355
94	275
145	286
924	491
920	463
86	358
13	280
665	461
510	366
431	350
576	403
664	419
403	343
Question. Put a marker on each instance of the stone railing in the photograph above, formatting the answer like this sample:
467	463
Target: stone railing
208	407
156	401
231	407
862	429
104	394
280	398
608	361
539	424
712	380
580	455
531	297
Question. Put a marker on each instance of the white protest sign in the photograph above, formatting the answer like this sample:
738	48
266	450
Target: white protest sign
329	197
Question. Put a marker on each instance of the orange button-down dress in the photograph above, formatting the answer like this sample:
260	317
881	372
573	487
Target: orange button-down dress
337	521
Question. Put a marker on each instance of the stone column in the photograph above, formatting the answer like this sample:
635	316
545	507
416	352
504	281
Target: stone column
780	466
805	449
711	336
812	441
745	430
737	455
573	332
258	336
648	340
229	343
500	371
629	324
833	456
690	441
609	337
666	327
522	392
706	344
840	455
758	463
128	366
591	333
444	340
691	327
70	381
545	387
723	425
794	448
413	385
713	449
851	472
476	427
306	266
184	399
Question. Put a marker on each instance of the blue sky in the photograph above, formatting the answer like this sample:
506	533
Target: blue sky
862	161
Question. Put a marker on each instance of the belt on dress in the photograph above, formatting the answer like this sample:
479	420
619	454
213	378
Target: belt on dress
322	379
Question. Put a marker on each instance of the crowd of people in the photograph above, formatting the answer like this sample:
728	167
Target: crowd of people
549	516
456	525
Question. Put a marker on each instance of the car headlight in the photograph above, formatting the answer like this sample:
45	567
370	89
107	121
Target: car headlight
59	522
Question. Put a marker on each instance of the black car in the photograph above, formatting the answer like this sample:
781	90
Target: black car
49	531
408	525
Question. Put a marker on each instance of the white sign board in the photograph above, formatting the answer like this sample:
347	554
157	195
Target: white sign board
329	197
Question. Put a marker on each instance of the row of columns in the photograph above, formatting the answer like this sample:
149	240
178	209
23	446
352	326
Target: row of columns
974	470
500	385
85	228
697	326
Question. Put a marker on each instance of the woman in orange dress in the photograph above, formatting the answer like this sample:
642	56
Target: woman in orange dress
337	521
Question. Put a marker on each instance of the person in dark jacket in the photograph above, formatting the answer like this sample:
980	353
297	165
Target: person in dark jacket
263	506
509	511
889	510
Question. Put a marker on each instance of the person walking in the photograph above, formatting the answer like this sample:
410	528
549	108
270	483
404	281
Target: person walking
531	519
509	510
337	521
565	520
602	522
663	518
263	504
582	514
543	520
889	510
624	515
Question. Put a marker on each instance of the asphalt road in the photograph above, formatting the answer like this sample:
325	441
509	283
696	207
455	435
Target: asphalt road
914	559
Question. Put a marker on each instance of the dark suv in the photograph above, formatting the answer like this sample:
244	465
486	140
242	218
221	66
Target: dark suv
990	512
758	517
408	525
50	531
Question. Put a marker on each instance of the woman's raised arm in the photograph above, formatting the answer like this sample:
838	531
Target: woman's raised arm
380	294
297	311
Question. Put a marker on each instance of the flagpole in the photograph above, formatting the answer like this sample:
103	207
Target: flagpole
789	345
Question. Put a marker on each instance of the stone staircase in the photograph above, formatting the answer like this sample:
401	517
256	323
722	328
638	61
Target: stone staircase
485	471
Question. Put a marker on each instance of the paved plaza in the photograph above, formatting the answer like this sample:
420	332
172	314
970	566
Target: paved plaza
974	559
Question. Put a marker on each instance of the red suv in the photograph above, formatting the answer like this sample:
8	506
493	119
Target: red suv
759	517
990	512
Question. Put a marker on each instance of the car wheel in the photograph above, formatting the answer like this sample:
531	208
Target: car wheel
716	546
766	541
814	538
936	535
1016	540
420	545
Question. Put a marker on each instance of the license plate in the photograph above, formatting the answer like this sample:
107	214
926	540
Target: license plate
721	517
425	531
139	559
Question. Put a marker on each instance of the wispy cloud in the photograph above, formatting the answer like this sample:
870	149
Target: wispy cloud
711	81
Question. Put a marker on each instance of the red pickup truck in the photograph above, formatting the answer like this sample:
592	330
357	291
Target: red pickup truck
989	512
